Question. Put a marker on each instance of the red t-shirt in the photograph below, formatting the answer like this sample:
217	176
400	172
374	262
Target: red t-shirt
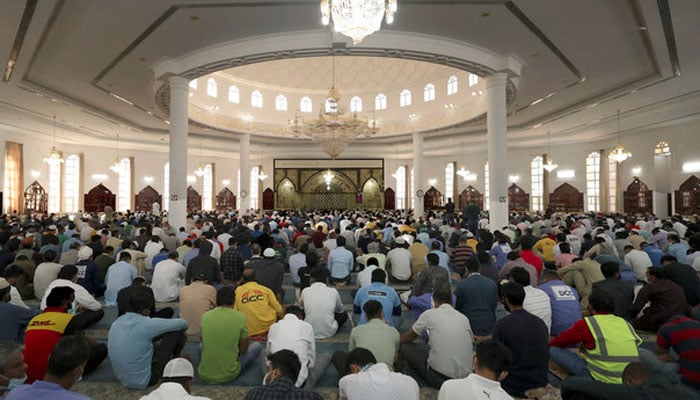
531	258
43	332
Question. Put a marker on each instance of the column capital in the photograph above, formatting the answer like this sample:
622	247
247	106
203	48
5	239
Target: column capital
496	79
178	82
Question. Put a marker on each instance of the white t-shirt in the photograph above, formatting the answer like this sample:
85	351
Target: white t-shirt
290	333
400	261
168	278
473	387
538	304
320	304
378	382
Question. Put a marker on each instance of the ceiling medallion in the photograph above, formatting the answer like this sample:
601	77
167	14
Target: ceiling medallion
357	18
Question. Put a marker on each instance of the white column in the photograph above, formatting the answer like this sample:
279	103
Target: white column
497	150
179	98
244	201
417	174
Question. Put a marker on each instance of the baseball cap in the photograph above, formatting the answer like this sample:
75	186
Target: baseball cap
269	252
178	368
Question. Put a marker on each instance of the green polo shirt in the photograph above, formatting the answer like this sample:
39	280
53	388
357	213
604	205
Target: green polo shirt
379	338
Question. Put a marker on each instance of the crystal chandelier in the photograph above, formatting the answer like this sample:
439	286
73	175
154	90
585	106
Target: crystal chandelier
549	165
54	156
332	131
619	154
328	178
115	166
357	18
261	175
200	168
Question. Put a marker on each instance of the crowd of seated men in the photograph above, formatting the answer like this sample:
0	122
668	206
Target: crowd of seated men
579	292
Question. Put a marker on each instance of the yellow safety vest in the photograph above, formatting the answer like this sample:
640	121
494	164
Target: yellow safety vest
616	345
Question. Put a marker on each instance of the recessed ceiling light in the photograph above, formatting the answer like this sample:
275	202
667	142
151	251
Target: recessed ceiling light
194	18
486	14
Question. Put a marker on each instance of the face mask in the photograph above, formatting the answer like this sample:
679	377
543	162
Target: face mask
13	383
264	381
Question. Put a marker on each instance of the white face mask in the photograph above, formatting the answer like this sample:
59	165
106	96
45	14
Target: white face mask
264	381
13	383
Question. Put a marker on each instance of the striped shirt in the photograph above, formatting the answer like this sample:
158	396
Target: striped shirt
460	254
682	334
538	304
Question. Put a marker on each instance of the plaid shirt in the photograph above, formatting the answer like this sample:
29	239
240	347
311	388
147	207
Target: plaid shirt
281	388
231	264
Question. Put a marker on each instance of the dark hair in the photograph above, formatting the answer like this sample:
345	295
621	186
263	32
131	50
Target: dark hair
57	295
565	248
442	291
472	265
304	248
141	299
124	256
232	241
493	356
513	292
433	259
549	273
668	258
319	274
49	255
13	271
378	275
340	241
609	269
513	255
601	301
372	261
173	255
657	272
527	242
69	353
520	275
68	272
373	309
226	296
108	249
359	356
295	310
637	370
287	362
139	280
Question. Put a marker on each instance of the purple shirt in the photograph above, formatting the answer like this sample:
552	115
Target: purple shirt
43	390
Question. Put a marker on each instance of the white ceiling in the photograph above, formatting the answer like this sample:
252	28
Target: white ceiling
591	54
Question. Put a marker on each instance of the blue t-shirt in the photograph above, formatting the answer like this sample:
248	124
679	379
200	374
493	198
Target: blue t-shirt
381	293
566	309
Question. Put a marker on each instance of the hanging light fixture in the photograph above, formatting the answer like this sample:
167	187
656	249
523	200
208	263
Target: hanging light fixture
619	154
463	171
261	175
357	18
549	165
54	156
200	168
328	178
115	166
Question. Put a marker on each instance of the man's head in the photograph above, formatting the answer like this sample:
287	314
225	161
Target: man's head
492	360
61	297
472	265
442	291
373	309
69	273
296	311
67	360
372	261
173	255
520	275
141	301
358	359
513	255
226	296
636	373
610	269
318	275
667	259
378	275
284	363
601	302
179	370
433	259
340	241
12	273
248	275
12	364
125	256
654	273
256	249
512	295
549	275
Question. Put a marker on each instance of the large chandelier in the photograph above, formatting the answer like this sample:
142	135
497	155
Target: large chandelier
333	131
54	156
357	18
115	167
549	165
619	154
199	171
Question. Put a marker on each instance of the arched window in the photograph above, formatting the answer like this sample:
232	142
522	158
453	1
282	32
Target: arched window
124	190
537	182
449	180
55	187
280	103
193	84
256	99
413	191
473	80
166	186
662	149
400	176
211	87
305	105
380	102
487	187
356	104
593	182
254	188
234	95
405	98
71	190
208	187
612	182
452	85
429	92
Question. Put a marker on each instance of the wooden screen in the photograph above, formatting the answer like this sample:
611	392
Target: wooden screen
389	199
146	197
518	199
469	194
225	200
98	198
35	199
194	200
566	198
688	196
268	199
638	199
432	200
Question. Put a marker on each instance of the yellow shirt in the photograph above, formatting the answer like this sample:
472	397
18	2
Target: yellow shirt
260	306
546	248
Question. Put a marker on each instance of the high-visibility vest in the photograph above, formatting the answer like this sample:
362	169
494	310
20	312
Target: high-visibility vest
616	345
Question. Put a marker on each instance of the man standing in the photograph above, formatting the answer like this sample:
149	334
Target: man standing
340	263
491	362
477	299
118	277
449	354
258	303
380	292
139	346
226	349
322	305
370	380
168	279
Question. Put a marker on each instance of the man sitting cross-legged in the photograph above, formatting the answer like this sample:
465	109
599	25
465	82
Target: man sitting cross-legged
322	304
370	380
278	384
